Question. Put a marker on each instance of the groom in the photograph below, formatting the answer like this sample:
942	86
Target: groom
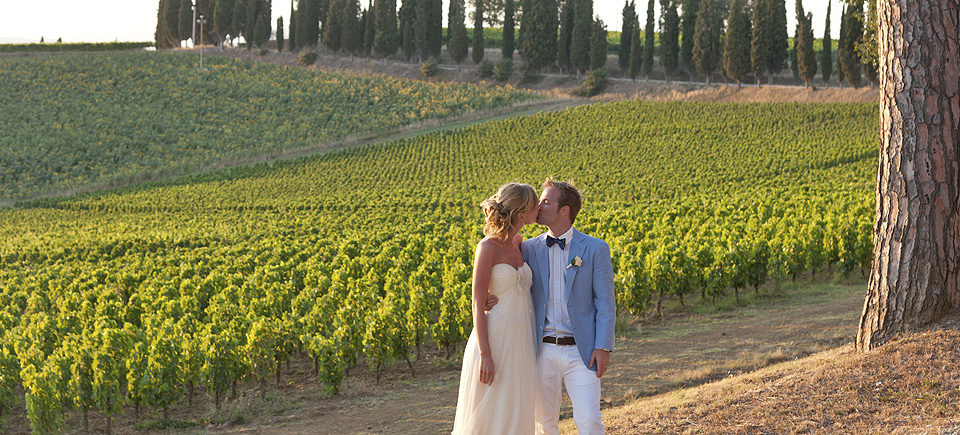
574	307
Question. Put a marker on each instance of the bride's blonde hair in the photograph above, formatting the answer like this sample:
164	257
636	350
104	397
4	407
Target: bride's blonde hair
502	208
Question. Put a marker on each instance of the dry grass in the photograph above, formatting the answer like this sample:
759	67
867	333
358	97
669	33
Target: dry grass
908	386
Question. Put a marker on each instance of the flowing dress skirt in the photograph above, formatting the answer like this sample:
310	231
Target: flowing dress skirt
509	404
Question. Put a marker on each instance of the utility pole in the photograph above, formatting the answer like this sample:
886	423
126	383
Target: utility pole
201	21
193	36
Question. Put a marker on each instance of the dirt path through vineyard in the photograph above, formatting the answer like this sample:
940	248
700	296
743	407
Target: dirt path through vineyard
682	349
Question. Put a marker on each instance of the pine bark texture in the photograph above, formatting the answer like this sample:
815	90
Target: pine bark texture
915	277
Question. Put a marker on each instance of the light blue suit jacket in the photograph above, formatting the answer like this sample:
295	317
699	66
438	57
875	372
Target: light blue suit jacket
591	303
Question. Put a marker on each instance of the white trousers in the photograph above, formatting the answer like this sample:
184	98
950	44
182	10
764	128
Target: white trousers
562	366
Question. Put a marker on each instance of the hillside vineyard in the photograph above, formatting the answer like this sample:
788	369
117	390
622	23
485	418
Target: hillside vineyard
363	255
80	120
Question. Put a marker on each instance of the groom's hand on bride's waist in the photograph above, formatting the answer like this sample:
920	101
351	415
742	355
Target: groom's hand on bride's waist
491	302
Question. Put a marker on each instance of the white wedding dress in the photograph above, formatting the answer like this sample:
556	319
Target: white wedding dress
508	405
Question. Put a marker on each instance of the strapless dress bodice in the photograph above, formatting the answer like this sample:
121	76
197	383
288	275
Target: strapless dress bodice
505	278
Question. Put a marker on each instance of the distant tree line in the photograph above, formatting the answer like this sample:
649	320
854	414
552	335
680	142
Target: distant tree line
736	38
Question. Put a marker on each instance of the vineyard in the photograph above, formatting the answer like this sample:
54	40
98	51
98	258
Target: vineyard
72	121
152	294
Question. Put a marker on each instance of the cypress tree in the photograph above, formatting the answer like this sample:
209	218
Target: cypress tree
826	57
580	39
688	27
758	42
318	11
351	37
629	27
261	32
293	28
849	61
669	37
457	31
185	22
636	54
706	40
385	40
598	45
736	47
172	24
793	53
840	44
333	27
407	17
301	24
408	41
648	42
279	34
566	33
322	7
156	31
435	34
160	34
250	22
264	20
806	58
363	30
369	30
524	7
421	29
779	41
539	44
508	24
223	19
478	32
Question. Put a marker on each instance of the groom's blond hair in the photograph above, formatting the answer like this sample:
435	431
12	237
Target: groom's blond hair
569	196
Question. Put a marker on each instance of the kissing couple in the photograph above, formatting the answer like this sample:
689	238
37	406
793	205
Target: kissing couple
543	316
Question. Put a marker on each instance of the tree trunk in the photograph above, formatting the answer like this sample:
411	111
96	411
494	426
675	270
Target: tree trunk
915	277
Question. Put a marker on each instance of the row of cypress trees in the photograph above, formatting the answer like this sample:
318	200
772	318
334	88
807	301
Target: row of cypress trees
694	38
416	30
693	35
248	18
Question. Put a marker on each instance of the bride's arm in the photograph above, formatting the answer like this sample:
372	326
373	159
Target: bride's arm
482	267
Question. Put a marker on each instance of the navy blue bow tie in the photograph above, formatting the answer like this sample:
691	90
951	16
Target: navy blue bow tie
562	243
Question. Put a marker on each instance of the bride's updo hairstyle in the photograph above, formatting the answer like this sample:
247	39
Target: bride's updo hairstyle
501	209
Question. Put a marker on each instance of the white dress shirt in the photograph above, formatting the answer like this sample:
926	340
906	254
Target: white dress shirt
558	320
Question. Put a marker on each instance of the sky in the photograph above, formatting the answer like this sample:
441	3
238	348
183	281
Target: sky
136	20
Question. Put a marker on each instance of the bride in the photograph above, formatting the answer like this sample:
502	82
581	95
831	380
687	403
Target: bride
499	380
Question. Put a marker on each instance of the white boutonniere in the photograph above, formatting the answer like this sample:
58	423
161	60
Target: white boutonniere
576	262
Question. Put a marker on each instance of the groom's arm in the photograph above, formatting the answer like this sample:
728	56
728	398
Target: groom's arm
603	297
